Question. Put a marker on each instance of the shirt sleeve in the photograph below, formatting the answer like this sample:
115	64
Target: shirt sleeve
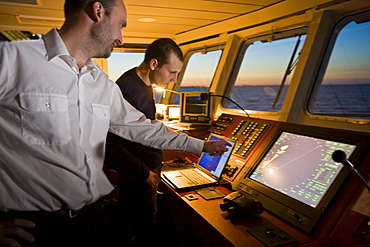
132	125
3	68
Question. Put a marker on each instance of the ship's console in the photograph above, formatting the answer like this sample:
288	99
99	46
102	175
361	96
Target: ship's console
288	170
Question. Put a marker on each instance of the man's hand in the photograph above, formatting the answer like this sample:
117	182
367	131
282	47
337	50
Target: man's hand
215	148
14	228
152	179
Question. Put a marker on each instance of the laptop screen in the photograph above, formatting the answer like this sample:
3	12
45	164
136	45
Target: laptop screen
216	164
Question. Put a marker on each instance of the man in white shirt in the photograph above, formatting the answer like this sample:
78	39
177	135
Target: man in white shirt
56	108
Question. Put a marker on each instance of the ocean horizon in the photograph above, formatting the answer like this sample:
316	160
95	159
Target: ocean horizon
346	99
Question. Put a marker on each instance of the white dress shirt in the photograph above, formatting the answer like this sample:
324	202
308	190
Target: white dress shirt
54	119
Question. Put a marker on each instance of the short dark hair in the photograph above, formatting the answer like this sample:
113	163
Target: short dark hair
72	7
161	49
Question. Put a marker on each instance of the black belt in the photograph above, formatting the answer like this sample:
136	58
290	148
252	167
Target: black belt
102	202
67	213
62	213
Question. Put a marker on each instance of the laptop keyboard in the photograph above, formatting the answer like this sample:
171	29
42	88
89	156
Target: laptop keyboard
195	176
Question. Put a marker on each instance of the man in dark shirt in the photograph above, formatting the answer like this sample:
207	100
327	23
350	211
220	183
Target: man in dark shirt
140	165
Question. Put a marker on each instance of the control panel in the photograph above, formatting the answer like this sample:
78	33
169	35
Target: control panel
246	132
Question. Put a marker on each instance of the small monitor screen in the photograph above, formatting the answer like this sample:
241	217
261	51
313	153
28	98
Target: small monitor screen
195	105
173	112
300	166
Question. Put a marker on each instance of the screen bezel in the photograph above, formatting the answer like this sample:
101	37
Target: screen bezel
184	100
173	107
297	213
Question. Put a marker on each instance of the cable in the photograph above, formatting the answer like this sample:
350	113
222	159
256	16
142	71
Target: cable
205	96
339	156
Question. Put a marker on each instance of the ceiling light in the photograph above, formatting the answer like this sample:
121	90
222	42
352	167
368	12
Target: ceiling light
147	19
40	20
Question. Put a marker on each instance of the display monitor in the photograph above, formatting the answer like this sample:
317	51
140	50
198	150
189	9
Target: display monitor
295	177
173	112
195	108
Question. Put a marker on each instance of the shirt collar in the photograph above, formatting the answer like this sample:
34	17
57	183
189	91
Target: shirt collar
93	68
55	47
137	76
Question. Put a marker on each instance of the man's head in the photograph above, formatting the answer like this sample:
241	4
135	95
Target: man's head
165	59
99	22
161	49
73	7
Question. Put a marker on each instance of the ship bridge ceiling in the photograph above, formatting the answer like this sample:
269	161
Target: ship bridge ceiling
147	19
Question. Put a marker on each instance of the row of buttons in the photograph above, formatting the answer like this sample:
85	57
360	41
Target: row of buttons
251	134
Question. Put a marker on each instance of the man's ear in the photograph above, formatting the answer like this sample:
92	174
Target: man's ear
153	63
96	11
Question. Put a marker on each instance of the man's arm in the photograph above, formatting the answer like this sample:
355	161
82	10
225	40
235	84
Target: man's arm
152	179
131	124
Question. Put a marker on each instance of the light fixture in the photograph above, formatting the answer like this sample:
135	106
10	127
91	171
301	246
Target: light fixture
146	19
164	90
40	20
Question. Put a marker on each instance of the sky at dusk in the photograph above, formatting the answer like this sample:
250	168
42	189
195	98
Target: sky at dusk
120	62
266	62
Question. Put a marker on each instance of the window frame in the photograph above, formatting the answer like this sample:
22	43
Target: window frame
322	68
284	34
171	97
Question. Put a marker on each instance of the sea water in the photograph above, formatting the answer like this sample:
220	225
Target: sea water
342	100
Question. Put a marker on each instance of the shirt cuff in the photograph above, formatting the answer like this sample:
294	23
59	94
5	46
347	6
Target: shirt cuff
195	146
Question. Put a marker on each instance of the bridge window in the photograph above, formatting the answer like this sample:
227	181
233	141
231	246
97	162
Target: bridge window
197	75
344	82
264	70
198	72
120	62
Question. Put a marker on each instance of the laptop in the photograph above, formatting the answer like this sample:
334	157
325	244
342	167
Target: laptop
206	172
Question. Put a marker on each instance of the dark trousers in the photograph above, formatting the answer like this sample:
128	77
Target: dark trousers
139	201
96	225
